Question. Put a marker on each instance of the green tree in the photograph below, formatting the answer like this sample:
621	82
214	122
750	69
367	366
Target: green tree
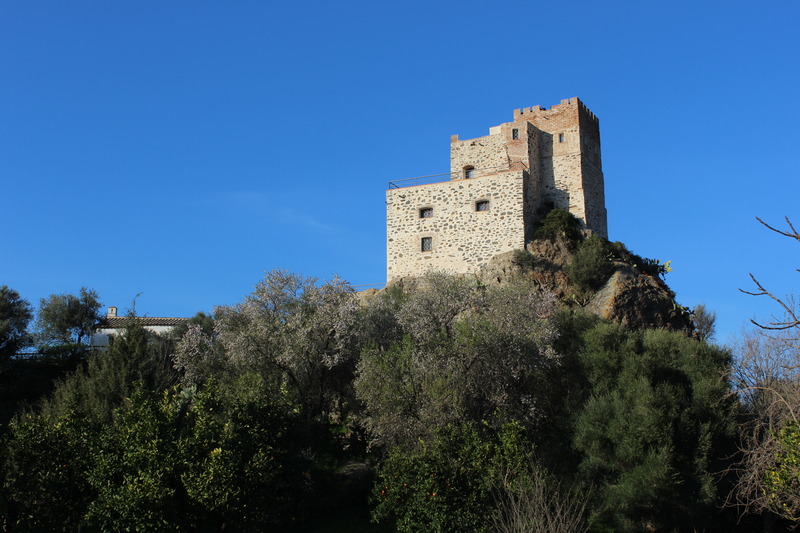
782	478
65	321
656	424
112	375
177	460
302	336
242	460
49	452
15	314
135	468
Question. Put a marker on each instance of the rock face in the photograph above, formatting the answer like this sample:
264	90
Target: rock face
630	296
638	300
543	265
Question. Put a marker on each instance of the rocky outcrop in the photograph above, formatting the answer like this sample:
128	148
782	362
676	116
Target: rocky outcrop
631	296
638	300
543	264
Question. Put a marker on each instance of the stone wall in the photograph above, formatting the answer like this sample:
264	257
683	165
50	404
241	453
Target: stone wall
487	155
463	239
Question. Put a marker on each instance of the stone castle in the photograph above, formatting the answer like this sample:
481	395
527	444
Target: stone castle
498	189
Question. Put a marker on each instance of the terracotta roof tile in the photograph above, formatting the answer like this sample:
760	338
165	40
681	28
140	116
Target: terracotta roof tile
119	322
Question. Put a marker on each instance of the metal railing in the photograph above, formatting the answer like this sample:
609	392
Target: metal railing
365	286
421	180
439	178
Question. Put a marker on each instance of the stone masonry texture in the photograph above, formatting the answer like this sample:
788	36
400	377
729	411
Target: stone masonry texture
500	187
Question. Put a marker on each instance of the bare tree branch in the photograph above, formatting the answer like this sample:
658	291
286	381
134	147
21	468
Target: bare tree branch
792	233
792	319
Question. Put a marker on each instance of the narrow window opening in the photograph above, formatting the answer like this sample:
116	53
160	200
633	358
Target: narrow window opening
482	205
515	133
469	172
427	244
561	137
426	212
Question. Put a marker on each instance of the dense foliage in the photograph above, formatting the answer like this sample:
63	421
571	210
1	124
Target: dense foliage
592	264
449	482
656	427
477	408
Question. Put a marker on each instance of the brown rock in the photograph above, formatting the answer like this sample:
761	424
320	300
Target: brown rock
637	300
543	264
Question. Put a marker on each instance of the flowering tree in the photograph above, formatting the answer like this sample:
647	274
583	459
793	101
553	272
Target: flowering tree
300	334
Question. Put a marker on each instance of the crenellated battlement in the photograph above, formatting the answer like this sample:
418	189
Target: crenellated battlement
528	113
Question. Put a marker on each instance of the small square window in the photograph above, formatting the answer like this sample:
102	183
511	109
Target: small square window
561	137
482	205
515	133
426	212
469	172
427	244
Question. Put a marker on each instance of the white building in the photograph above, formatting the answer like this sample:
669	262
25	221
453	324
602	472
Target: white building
113	325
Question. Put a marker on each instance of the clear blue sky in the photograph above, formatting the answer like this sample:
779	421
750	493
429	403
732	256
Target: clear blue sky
179	149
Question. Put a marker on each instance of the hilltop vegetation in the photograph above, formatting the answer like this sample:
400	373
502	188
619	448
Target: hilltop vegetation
474	403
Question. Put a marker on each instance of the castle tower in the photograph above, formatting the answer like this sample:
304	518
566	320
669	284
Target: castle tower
498	188
570	167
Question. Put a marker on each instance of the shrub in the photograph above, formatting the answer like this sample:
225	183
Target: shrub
652	267
537	502
44	471
559	223
592	265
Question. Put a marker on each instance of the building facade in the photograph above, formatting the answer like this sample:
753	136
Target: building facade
113	325
498	189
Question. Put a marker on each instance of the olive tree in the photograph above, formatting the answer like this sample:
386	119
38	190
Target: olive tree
468	353
68	319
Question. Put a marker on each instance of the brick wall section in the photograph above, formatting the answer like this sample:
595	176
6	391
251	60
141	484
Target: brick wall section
544	158
463	239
